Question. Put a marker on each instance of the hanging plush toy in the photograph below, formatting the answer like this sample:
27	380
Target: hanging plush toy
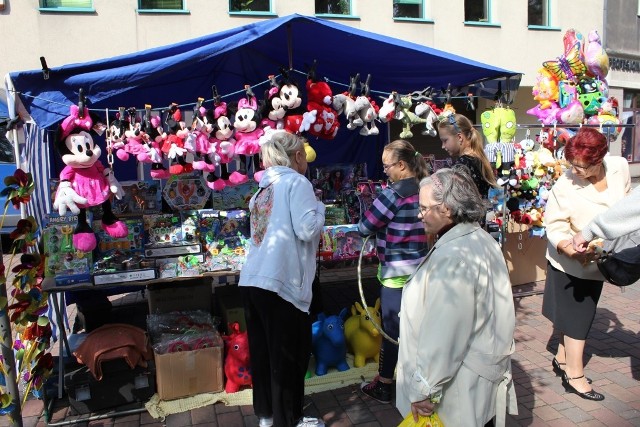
248	134
174	147
85	182
155	138
272	110
345	103
367	110
206	158
223	143
319	104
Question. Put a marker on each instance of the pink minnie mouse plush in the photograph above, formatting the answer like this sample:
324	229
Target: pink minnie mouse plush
174	147
248	134
134	137
85	182
223	144
198	139
272	110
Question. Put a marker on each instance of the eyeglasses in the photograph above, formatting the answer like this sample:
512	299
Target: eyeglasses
386	167
581	168
422	210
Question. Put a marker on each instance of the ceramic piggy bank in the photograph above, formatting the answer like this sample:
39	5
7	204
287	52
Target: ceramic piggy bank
329	346
237	367
363	338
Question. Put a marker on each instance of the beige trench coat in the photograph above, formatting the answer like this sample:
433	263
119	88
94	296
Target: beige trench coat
456	331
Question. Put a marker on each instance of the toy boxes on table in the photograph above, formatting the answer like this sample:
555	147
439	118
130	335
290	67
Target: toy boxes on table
335	179
186	192
344	243
140	197
64	262
165	238
236	197
229	247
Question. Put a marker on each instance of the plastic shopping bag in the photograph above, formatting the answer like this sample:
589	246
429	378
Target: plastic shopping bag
430	421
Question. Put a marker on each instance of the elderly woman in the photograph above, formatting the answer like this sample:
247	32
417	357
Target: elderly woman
457	317
574	283
286	221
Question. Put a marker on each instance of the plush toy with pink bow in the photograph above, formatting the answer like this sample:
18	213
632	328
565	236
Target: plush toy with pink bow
223	143
237	363
248	133
85	182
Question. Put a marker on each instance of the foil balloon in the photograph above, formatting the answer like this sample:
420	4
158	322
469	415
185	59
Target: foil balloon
545	89
595	57
572	114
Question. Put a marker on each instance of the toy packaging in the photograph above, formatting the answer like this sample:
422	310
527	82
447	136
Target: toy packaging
190	226
64	262
182	266
140	197
228	250
234	197
334	215
344	243
334	179
186	192
132	243
162	229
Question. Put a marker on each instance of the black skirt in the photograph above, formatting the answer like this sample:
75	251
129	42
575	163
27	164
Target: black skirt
570	302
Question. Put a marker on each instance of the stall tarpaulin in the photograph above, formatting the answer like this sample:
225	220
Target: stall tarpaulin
229	59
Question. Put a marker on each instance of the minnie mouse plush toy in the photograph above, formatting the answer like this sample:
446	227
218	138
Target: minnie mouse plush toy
85	182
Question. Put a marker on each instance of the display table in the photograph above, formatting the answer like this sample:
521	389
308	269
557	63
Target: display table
218	278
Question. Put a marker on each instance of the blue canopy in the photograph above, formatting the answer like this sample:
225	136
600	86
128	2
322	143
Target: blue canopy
4	111
185	71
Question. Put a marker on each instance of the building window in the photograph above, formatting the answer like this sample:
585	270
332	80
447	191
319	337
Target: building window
539	13
333	7
477	10
66	4
631	135
408	9
161	4
249	6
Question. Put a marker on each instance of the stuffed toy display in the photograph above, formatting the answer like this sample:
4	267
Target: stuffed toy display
224	144
237	363
320	101
206	158
174	147
155	138
363	338
85	182
367	109
248	133
272	110
345	103
329	345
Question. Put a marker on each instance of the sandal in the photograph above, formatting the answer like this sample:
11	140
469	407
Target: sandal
589	395
557	368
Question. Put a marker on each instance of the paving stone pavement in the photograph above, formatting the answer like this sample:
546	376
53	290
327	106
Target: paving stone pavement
612	358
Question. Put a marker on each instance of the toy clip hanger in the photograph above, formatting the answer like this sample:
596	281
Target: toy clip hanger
216	95
147	117
311	74
353	84
81	103
248	91
364	87
425	94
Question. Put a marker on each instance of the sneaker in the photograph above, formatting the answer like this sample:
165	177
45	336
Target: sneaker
377	390
310	422
265	422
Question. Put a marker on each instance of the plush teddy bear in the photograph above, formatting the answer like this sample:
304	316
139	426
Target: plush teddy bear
85	182
320	100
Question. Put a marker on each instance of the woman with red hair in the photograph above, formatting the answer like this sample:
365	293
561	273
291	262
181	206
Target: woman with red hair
574	283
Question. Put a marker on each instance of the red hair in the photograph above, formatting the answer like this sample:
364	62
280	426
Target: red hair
587	144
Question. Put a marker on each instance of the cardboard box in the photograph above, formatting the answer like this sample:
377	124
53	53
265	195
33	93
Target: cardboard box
525	255
188	373
120	386
230	307
180	294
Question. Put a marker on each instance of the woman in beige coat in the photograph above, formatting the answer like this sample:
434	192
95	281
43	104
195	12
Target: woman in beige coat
457	315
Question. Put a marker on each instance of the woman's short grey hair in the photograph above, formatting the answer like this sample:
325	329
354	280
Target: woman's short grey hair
277	149
454	188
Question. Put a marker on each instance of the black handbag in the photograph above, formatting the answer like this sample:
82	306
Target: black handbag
620	260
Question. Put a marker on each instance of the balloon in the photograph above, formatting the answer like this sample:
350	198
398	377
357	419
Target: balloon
545	89
595	57
572	114
546	116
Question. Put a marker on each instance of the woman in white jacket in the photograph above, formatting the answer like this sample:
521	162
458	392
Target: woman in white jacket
457	316
286	221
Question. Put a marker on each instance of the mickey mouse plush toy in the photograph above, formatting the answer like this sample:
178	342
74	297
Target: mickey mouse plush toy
85	182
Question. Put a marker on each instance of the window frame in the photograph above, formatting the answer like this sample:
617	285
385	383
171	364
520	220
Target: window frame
423	13
349	15
269	12
76	9
488	6
548	7
633	111
184	9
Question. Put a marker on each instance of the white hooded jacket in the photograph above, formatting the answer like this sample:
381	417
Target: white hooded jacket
286	221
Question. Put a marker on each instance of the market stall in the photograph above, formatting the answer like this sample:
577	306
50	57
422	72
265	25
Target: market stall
177	217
